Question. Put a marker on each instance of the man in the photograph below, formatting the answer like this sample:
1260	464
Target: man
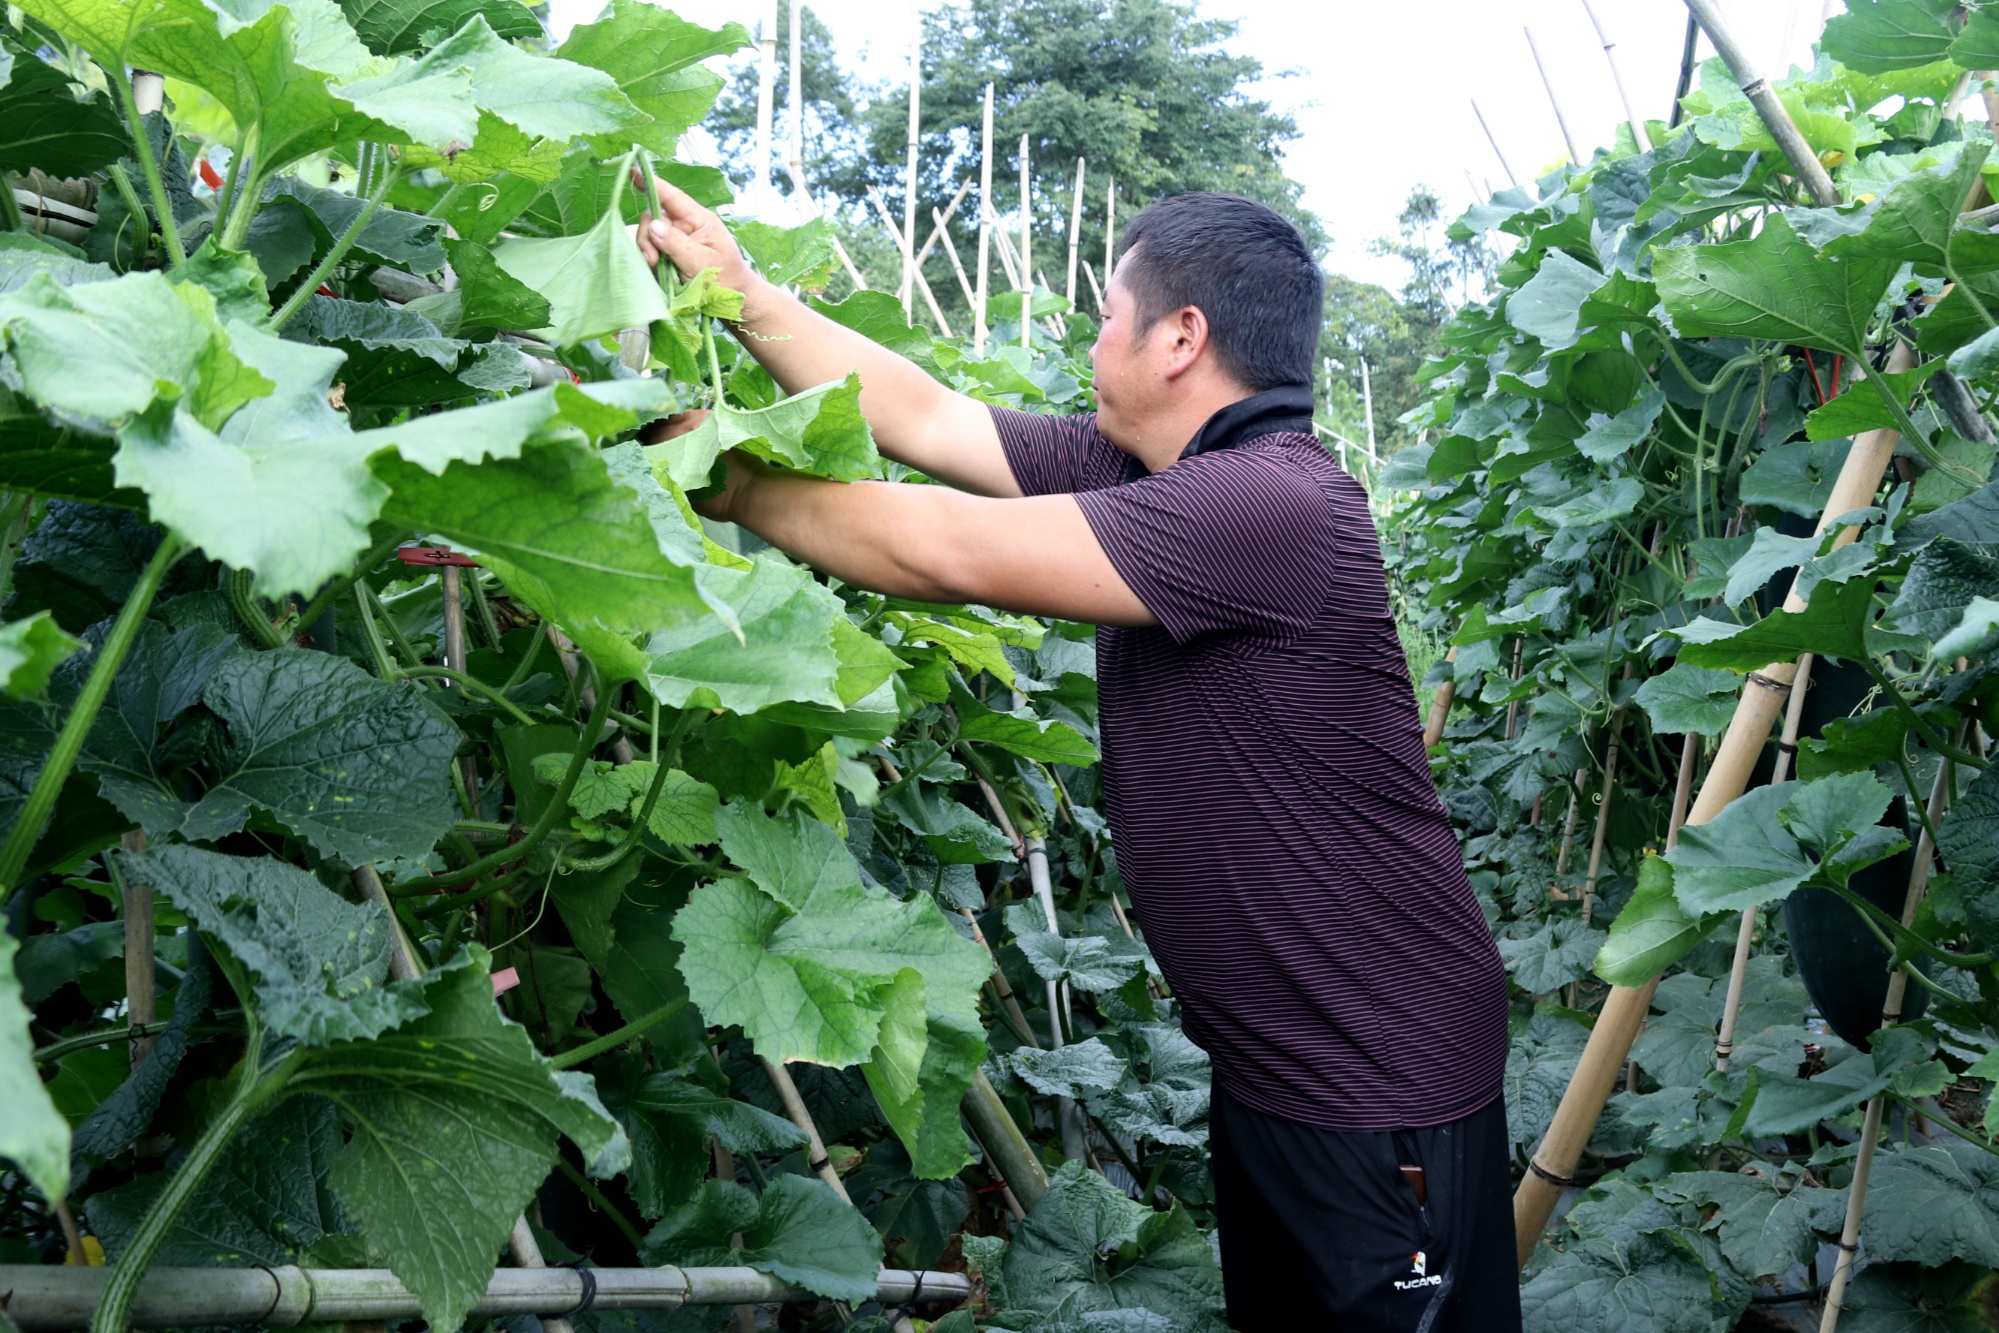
1268	793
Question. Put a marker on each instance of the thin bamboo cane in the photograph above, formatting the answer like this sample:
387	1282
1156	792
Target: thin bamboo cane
149	91
957	264
1561	120
454	657
846	260
1096	288
1008	1000
1075	233
141	1007
1026	249
1624	1009
1493	139
909	171
1013	1204
1060	325
1683	789
794	1109
766	96
985	225
1757	89
45	1296
1891	1014
1513	705
794	159
1569	826
1610	753
902	243
1687	52
1440	707
1009	261
939	224
1006	1147
1110	230
1639	136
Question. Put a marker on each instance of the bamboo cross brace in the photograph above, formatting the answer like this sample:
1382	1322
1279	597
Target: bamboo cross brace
1891	1014
846	260
957	264
1683	788
902	242
1624	1009
1553	101
1060	325
1493	139
1610	753
1096	289
1639	135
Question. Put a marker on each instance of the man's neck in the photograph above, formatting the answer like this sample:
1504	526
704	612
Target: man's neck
1158	438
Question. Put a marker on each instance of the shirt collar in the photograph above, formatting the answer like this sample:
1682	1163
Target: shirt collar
1286	408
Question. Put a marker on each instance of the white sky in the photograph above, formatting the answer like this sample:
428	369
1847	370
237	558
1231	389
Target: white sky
1382	93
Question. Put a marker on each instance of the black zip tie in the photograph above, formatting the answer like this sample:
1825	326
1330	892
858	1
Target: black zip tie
589	1277
819	1165
1758	678
1561	1182
1787	747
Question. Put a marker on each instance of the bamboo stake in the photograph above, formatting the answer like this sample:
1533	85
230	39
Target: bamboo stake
141	1003
902	242
1096	288
1440	707
1493	139
1009	261
1683	790
846	260
1639	136
1603	807
1757	89
1891	1014
1026	251
794	160
1513	705
1013	1204
766	94
1075	233
1687	53
1006	1147
1110	230
985	226
909	172
454	656
1553	101
1624	1009
957	264
794	1109
1001	985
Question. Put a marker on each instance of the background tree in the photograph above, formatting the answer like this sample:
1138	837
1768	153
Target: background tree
833	99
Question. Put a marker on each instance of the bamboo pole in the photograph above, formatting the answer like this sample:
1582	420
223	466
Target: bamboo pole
453	586
794	159
1757	89
766	94
1110	229
1561	120
1075	233
1513	705
1009	261
798	184
1624	1009
1096	288
1610	753
1683	789
901	239
1006	1147
985	226
1026	250
794	1109
957	264
141	1002
1891	1014
47	1296
909	172
1440	707
1686	81
1493	139
1639	136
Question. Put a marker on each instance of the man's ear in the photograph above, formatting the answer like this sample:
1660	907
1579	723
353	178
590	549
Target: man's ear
1187	337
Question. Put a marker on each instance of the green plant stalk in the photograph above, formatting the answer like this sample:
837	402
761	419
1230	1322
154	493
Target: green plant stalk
610	1041
1921	805
471	683
636	833
16	508
595	1198
1909	1104
378	651
1930	738
484	609
243	189
142	148
114	1306
236	587
469	898
10	208
136	209
1907	426
82	715
404	648
341	246
337	586
520	672
1878	919
669	281
557	806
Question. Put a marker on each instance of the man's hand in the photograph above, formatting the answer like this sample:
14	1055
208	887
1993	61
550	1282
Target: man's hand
694	238
743	471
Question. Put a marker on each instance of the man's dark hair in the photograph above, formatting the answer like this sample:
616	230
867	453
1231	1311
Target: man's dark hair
1248	270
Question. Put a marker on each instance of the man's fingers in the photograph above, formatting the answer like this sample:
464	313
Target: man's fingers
674	202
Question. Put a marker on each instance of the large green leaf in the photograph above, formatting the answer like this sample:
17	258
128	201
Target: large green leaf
1549	304
454	1118
486	297
45	124
799	1231
1652	932
595	283
780	647
1916	221
1876	36
358	767
1762	1230
656	58
670	1118
319	963
1688	698
542	96
1968	837
395	27
390	235
33	1134
820	431
1931	1204
1086	1247
815	967
397	358
1741	858
1774	285
1833	625
1941	584
1627	1271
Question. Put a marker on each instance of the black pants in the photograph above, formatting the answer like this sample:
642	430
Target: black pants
1321	1231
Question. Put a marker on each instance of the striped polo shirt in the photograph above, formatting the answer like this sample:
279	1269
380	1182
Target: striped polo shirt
1269	798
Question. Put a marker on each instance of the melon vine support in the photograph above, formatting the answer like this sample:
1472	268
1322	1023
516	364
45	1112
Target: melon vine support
794	158
1075	233
1547	83
1625	1008
1757	89
1440	707
985	226
137	899
1688	50
1110	228
794	1109
911	272
1026	250
1610	753
909	260
1639	136
1493	139
957	264
766	98
1006	1147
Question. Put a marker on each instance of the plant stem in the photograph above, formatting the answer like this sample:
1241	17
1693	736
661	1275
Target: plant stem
404	648
596	1199
634	834
558	806
484	610
245	190
520	672
610	1041
325	267
10	207
138	212
142	148
114	1306
377	650
331	593
471	683
1878	919
1930	738
236	587
69	744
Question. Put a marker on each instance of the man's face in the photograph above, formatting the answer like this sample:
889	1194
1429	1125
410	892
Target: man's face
1126	381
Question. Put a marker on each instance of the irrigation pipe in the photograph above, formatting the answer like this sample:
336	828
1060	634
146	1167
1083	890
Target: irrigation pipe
1625	1008
1757	89
52	1297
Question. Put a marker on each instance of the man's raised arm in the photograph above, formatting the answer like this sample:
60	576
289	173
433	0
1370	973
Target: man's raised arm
915	419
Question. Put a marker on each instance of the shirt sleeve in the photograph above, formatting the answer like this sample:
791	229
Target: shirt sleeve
1056	455
1231	541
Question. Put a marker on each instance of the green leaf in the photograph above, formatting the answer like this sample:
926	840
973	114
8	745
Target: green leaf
1774	285
1763	1230
541	96
1945	578
1652	932
1832	626
1076	1070
454	1118
1860	408
670	1118
48	126
595	283
656	59
320	963
1559	952
780	647
1623	1274
1975	636
396	27
1877	36
358	767
1968	837
799	1231
1087	961
486	297
1930	1204
1796	478
1021	733
1741	858
1609	438
1602	504
957	834
397	358
1916	221
800	256
1549	304
1828	814
33	1134
1689	699
820	431
1786	1105
30	651
390	236
1160	1261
